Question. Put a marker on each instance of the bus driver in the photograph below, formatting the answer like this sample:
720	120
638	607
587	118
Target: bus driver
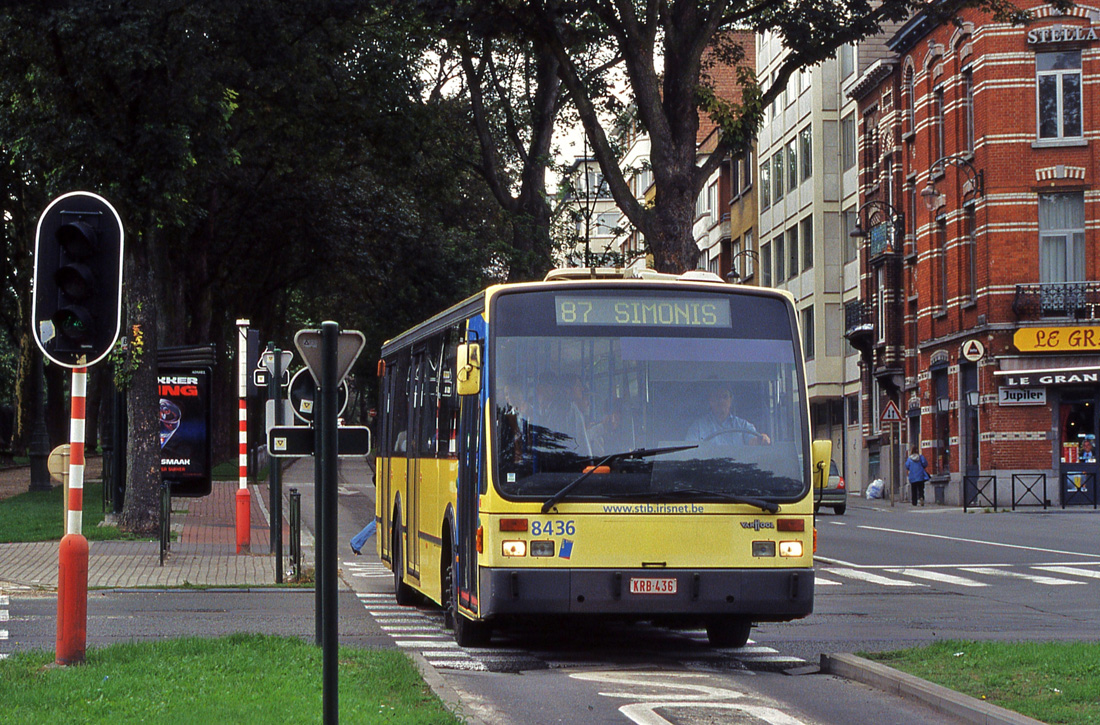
721	425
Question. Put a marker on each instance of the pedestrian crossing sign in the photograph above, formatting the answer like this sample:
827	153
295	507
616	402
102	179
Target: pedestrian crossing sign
890	414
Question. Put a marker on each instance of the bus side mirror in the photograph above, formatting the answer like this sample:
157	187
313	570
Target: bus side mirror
469	368
822	457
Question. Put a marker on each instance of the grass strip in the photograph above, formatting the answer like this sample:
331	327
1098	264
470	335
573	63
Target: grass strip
40	516
1055	682
237	678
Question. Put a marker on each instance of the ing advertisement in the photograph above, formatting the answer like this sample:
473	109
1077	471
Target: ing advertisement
185	439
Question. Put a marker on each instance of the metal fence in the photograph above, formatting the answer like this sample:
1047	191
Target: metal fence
1029	482
976	489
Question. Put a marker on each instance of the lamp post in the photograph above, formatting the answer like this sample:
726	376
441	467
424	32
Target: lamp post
869	218
734	275
974	184
879	212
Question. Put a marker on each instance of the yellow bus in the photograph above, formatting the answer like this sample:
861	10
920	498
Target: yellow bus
602	443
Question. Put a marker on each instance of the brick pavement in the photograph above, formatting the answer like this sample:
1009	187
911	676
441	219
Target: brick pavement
204	553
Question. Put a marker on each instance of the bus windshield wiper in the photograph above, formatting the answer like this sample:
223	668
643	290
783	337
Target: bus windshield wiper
636	453
770	506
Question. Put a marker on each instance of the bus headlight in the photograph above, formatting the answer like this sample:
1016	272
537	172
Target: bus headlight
763	548
542	548
515	548
790	548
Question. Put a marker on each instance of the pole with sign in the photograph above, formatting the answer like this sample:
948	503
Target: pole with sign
891	417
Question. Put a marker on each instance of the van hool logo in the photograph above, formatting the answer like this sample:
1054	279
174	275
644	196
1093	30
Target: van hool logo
757	524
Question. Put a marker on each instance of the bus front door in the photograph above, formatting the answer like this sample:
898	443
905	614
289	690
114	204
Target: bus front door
470	442
416	443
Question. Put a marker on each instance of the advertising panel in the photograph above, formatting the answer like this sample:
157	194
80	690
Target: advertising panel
185	436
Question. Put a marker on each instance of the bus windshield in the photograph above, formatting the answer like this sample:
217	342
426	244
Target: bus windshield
580	374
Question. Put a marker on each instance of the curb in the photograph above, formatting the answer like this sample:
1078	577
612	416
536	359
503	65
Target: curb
450	697
939	698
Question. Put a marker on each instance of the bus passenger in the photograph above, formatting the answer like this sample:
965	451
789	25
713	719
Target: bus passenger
721	425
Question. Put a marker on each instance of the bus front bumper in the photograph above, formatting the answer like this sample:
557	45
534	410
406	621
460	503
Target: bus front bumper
775	595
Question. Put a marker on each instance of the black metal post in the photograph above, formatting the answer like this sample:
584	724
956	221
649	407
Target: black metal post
329	449
274	472
318	519
40	439
295	515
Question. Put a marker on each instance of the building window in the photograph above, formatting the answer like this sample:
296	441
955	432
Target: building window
746	183
712	201
1062	237
805	138
765	185
970	262
938	131
968	108
848	142
792	165
851	244
847	60
853	409
808	333
780	259
735	178
909	101
807	243
1058	78
766	265
745	260
941	267
777	176
607	223
880	304
792	252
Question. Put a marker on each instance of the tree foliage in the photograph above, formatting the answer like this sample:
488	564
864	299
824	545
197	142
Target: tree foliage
270	160
662	46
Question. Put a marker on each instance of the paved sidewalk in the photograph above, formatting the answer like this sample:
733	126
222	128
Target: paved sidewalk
204	552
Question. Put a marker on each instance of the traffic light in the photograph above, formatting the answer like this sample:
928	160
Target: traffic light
77	307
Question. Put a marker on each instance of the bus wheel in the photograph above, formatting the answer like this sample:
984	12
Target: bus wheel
402	592
728	631
468	633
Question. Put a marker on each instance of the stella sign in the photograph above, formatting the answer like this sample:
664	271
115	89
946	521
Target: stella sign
1060	34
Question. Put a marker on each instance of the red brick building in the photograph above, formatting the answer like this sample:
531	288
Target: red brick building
979	315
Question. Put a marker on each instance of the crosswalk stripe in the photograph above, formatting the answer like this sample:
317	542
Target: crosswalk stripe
3	634
1071	570
463	665
938	576
427	642
4	601
823	582
990	571
870	578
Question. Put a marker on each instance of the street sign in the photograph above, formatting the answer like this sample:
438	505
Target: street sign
294	441
269	413
349	343
303	393
260	376
267	360
973	350
890	414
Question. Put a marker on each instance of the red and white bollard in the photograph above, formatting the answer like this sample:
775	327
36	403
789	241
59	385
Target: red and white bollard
72	568
244	499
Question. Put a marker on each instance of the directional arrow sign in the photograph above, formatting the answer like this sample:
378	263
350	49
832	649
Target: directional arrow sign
293	441
349	343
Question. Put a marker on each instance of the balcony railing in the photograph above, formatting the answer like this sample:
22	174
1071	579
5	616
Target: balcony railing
1078	300
857	318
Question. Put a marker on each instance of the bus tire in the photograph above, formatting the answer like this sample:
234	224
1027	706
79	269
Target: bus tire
728	631
468	633
402	592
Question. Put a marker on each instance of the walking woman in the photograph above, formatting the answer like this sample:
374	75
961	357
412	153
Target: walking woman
917	466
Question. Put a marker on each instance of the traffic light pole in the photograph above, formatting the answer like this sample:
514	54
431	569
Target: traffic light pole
244	499
72	572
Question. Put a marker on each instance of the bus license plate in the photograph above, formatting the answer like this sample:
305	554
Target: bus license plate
653	586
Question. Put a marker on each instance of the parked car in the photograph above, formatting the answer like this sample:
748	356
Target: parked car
835	494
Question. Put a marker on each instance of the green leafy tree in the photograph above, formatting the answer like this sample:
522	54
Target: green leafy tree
662	44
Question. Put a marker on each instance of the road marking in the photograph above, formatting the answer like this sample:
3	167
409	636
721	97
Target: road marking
823	582
867	576
938	576
979	541
1071	570
990	571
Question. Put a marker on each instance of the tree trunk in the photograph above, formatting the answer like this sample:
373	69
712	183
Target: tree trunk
139	515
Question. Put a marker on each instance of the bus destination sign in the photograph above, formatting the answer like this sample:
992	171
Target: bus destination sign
617	311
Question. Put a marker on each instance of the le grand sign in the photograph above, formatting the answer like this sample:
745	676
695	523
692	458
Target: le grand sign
1057	339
